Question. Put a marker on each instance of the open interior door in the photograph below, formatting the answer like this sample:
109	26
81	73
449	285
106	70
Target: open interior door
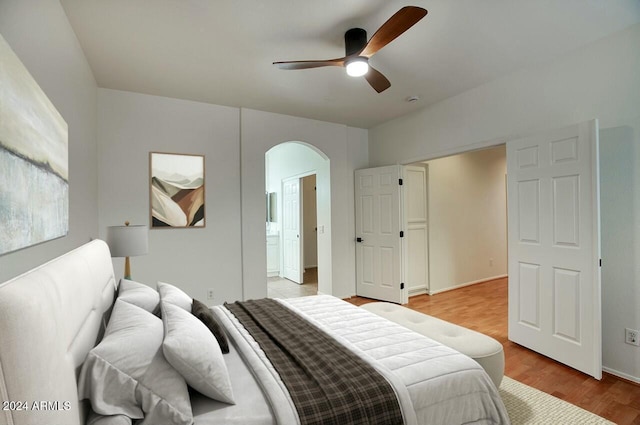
292	268
378	242
554	245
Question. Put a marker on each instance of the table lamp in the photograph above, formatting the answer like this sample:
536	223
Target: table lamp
128	241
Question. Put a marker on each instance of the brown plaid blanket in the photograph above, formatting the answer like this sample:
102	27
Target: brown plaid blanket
328	383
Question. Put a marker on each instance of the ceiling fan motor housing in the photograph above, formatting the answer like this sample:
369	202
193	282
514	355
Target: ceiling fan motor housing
354	41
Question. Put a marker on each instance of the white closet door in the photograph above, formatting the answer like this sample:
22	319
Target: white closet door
416	232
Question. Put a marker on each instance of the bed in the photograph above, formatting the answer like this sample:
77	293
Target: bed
53	318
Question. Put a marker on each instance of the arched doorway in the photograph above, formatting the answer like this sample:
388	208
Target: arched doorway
260	131
298	202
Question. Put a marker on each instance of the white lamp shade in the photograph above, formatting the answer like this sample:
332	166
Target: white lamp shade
128	241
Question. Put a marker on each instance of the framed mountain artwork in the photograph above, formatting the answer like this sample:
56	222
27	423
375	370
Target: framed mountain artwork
176	190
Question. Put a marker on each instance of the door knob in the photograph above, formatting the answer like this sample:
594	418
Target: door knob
359	240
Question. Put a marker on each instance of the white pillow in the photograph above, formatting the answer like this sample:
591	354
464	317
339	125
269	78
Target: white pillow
139	294
193	350
127	374
175	296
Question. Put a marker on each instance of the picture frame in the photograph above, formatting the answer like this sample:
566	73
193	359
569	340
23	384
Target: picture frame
176	190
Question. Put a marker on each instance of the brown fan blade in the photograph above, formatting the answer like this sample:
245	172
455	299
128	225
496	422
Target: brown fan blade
378	81
309	64
401	21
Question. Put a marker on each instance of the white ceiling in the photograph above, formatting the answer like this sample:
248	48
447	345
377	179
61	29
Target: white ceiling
221	51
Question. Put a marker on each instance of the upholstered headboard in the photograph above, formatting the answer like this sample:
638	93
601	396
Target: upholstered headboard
50	318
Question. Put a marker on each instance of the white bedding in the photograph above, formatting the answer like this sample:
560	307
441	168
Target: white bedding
434	384
267	378
251	408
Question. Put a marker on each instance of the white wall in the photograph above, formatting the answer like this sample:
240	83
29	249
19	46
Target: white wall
131	125
344	148
620	227
598	81
467	218
39	33
229	255
358	157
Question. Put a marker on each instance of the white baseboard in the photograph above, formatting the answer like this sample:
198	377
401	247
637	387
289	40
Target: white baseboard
462	285
621	374
418	290
273	274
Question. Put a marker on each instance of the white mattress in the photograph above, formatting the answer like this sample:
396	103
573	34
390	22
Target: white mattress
434	384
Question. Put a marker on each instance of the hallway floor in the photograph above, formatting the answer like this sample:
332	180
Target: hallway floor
279	287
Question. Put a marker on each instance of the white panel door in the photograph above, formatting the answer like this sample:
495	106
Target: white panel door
416	233
554	245
291	230
378	243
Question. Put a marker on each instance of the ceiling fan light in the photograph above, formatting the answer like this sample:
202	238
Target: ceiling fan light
358	67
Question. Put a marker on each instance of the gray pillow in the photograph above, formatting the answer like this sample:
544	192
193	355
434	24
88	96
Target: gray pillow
174	295
139	294
191	348
204	314
127	374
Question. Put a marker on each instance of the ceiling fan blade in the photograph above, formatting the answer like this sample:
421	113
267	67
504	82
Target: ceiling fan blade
401	21
378	81
309	64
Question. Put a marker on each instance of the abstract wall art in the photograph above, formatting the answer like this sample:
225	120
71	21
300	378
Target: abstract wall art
34	160
176	190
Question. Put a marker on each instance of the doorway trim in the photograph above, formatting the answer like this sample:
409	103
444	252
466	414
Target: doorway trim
319	165
505	140
344	148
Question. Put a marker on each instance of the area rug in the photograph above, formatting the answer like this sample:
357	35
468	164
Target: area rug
528	406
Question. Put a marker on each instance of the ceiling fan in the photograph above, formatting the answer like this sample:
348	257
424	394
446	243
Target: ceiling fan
358	50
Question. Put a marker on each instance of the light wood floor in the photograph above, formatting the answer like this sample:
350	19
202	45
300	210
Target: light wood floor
483	307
